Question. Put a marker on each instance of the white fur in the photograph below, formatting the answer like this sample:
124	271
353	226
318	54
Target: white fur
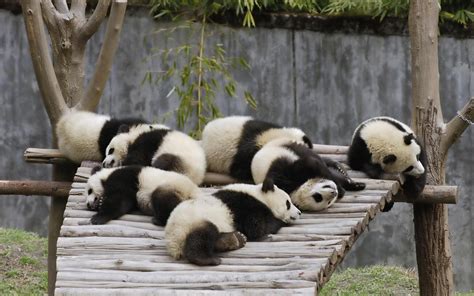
189	215
120	143
303	196
78	133
220	139
95	183
383	138
188	150
192	213
151	178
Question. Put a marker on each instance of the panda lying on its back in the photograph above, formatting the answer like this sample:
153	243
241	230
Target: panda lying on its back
117	191
302	173
231	142
161	147
85	135
217	223
383	144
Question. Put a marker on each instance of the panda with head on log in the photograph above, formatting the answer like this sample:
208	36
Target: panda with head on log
231	142
161	147
85	135
386	145
223	221
114	192
312	182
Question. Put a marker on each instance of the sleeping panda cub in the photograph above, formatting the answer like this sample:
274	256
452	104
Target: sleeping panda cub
302	173
114	192
161	147
223	221
231	142
117	149
383	144
85	135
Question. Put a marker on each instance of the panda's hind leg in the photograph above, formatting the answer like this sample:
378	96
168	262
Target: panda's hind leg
199	247
163	201
229	241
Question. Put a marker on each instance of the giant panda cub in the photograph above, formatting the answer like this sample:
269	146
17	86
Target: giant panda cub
114	192
231	142
85	135
312	182
223	221
383	144
117	149
161	147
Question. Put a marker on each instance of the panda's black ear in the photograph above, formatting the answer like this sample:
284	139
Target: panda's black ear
407	139
96	169
389	159
124	128
268	185
308	142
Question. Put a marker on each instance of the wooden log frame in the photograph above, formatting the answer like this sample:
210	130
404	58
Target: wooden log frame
129	253
433	194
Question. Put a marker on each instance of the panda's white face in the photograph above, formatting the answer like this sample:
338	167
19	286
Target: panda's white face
280	204
116	150
315	195
94	190
394	150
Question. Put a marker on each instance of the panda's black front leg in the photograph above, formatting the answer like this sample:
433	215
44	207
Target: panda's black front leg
114	206
163	201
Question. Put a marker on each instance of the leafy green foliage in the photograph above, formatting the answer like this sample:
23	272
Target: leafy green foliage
202	71
460	11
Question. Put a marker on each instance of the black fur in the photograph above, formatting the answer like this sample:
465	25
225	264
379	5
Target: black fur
290	175
111	129
360	159
413	186
199	245
142	150
169	162
251	217
120	191
339	175
163	201
247	148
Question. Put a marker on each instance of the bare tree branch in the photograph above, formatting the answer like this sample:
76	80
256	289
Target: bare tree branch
48	83
457	126
50	15
28	187
78	9
61	6
104	61
94	21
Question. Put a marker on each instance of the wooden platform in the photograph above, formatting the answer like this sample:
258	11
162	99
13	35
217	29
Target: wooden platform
128	256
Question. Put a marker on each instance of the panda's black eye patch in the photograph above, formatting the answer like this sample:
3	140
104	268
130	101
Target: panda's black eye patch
317	197
89	191
288	205
408	169
111	151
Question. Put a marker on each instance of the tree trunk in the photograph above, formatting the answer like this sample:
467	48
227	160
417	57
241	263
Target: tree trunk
433	250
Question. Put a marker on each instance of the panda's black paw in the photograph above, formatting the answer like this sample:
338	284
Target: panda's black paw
98	219
355	186
230	241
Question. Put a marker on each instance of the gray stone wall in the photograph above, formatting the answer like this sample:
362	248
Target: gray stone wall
324	83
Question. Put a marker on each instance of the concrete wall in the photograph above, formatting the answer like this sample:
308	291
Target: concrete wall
324	83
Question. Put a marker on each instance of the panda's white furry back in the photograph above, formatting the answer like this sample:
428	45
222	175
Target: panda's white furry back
231	142
84	135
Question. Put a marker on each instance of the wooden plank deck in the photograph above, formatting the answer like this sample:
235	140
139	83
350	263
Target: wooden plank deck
128	255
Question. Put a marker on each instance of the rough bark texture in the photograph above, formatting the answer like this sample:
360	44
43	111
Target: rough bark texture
433	250
29	187
61	80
